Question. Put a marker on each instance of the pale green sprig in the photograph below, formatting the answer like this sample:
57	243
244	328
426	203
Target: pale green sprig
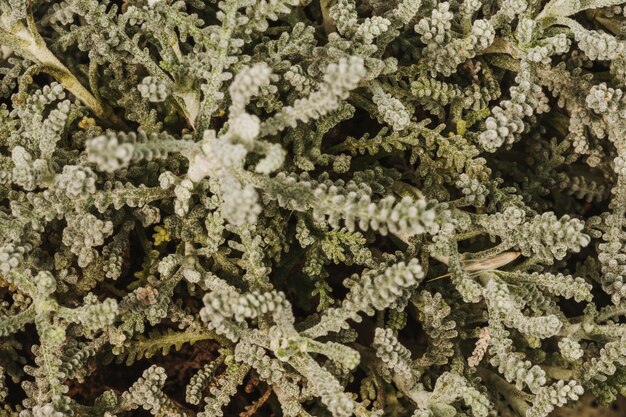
555	395
558	284
391	109
374	290
434	314
570	349
511	364
339	79
201	380
352	204
504	307
147	392
451	387
394	355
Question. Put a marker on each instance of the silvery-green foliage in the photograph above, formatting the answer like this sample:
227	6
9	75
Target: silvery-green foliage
76	181
511	364
334	207
146	392
376	289
474	191
200	381
433	313
570	349
153	89
451	387
396	357
84	232
391	109
556	395
504	307
507	122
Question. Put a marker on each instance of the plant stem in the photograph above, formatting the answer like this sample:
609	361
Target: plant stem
26	41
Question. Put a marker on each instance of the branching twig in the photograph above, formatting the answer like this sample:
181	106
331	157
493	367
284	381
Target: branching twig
252	408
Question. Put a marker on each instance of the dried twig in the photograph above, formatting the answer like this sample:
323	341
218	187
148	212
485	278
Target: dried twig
251	409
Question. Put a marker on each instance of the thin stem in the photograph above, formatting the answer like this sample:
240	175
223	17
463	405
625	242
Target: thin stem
329	23
558	373
515	398
491	251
